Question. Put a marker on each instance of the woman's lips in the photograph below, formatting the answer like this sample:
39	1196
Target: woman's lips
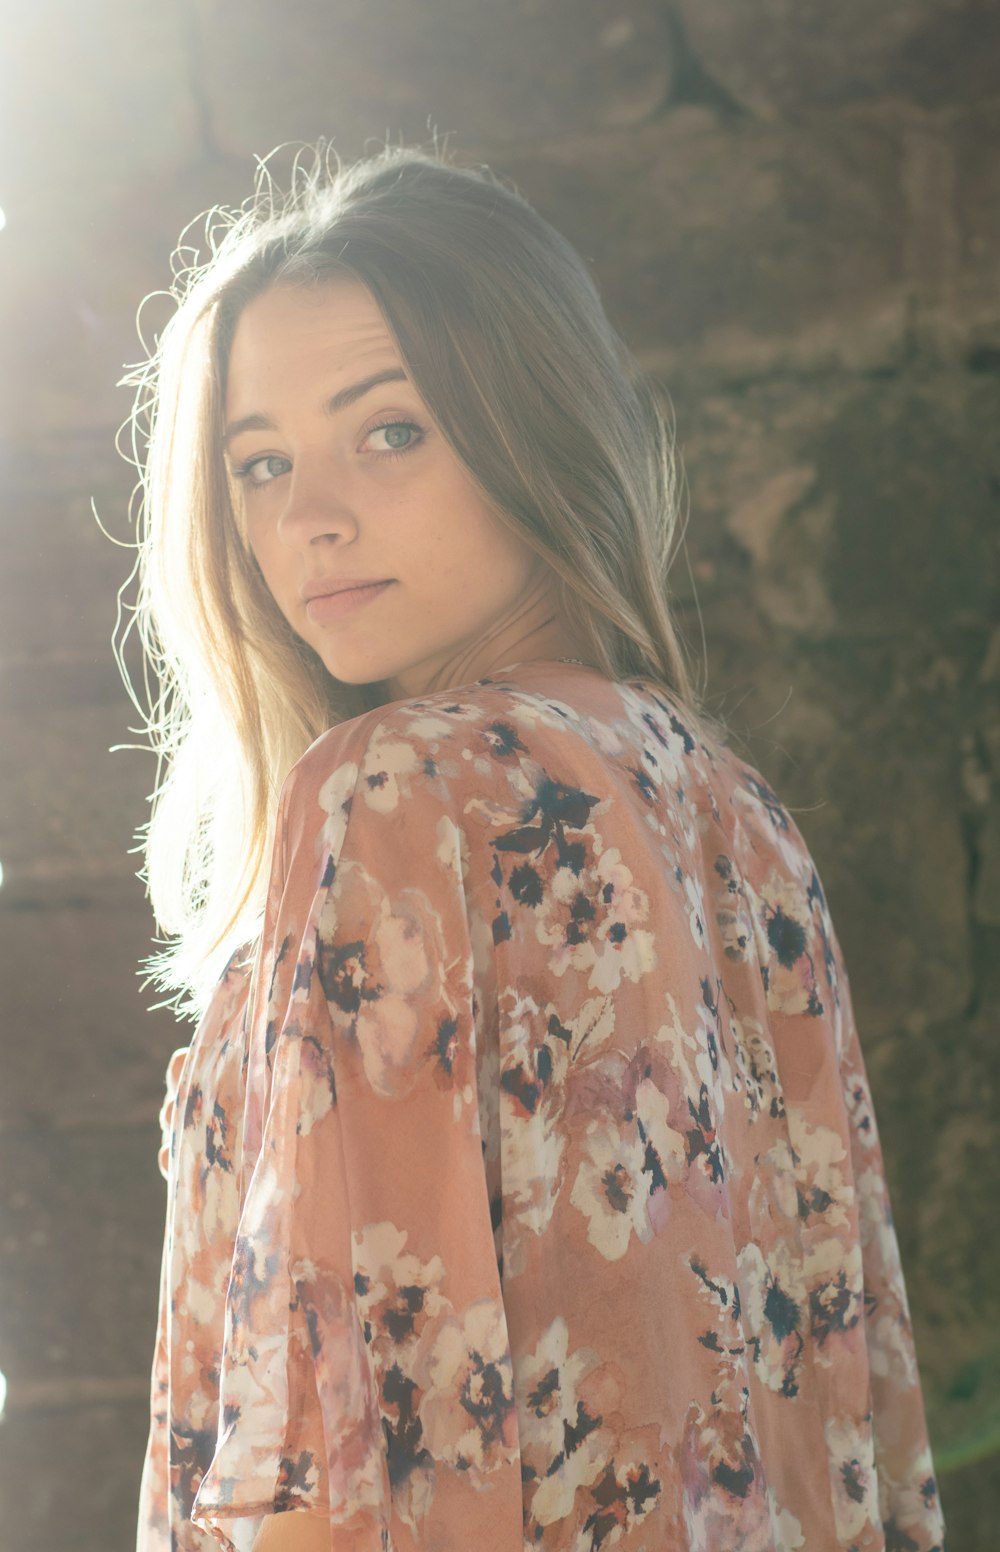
330	606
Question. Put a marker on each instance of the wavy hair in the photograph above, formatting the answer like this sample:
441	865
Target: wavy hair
502	331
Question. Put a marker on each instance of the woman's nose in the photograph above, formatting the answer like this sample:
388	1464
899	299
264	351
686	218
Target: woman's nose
317	504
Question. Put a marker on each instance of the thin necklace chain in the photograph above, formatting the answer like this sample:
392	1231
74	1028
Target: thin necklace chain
508	666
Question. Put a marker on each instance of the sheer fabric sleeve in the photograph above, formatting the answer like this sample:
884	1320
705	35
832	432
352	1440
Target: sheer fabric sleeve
909	1504
153	1529
366	1371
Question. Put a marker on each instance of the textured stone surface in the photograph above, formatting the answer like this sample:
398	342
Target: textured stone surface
974	174
832	598
82	1047
88	1501
734	242
518	71
81	1210
59	570
793	214
70	806
784	56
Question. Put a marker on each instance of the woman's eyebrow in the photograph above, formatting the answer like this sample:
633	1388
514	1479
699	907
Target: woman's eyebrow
339	401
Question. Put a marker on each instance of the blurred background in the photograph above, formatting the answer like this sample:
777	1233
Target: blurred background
792	212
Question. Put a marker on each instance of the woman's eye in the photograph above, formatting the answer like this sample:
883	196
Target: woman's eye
261	471
401	435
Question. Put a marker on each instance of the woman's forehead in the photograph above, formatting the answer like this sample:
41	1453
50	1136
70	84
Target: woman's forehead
289	331
325	312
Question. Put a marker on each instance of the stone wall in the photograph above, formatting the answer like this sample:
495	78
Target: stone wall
793	214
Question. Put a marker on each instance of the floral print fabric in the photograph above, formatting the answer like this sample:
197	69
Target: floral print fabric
525	1189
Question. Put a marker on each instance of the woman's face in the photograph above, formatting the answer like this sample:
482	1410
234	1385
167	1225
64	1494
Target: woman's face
345	478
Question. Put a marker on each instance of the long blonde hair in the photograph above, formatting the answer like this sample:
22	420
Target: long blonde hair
501	329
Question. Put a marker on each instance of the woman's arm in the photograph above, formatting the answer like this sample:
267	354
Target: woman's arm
166	1118
364	1339
294	1532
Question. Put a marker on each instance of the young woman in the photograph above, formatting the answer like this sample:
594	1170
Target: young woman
524	1189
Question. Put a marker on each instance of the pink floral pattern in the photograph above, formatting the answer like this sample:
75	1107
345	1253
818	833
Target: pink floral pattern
524	1187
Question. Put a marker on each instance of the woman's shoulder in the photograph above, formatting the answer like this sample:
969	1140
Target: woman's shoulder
514	733
510	736
555	766
538	702
422	736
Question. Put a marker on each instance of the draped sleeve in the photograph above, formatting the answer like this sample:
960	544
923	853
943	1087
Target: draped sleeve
909	1506
562	1220
366	1372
